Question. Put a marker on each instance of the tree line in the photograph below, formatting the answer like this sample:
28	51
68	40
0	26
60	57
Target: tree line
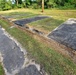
11	4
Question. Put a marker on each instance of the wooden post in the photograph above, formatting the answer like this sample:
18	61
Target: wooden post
42	5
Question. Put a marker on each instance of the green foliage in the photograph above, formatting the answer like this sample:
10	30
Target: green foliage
68	5
28	3
20	6
64	4
2	4
60	2
1	70
5	5
51	5
8	6
35	6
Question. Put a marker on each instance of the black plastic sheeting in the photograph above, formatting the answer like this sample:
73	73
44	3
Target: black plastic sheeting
13	57
65	34
30	70
29	20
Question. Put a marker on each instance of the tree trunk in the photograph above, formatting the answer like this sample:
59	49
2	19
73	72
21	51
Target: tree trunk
16	2
42	5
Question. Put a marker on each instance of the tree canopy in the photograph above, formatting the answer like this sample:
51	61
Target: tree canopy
10	4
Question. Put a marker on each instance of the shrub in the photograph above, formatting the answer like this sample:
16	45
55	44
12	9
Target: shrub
51	5
68	6
35	6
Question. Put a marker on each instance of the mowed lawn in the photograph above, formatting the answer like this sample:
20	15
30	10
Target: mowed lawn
19	15
57	17
1	70
53	62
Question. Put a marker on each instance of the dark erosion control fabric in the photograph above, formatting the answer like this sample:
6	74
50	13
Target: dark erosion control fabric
29	20
30	70
65	34
14	58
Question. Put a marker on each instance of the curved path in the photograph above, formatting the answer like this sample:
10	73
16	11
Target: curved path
13	58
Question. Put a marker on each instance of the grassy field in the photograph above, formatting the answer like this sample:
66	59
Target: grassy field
19	15
57	17
46	25
1	70
54	63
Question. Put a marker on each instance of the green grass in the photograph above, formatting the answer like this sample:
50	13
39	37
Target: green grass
58	17
54	63
19	15
1	70
45	25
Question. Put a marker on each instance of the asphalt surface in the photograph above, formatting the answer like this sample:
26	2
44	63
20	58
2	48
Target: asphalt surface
65	34
13	57
23	22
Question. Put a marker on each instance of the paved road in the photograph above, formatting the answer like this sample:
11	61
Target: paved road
13	57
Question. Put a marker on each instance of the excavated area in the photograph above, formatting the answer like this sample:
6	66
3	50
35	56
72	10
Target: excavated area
65	34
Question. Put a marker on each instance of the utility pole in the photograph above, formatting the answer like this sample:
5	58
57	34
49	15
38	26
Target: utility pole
42	5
